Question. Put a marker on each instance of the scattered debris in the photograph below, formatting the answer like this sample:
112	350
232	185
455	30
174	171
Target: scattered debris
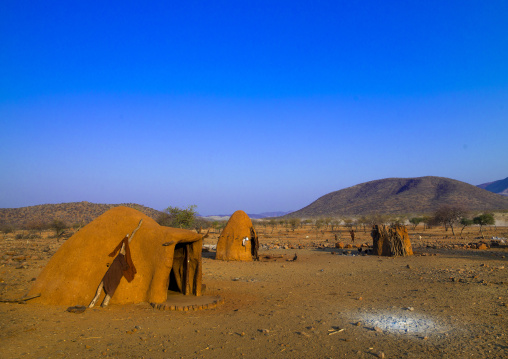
334	331
76	309
303	334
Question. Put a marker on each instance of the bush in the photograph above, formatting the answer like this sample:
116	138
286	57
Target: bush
6	228
58	226
178	218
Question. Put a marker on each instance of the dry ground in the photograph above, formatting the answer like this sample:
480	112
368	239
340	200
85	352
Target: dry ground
444	302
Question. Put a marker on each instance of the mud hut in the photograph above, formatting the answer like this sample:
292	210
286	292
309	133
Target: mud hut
238	241
165	259
391	241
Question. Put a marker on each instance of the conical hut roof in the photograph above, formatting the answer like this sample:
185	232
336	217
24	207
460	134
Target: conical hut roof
74	272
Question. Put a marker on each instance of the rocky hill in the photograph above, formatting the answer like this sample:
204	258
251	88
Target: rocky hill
402	196
70	213
499	187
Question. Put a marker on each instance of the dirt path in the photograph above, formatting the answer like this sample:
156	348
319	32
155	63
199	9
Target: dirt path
443	304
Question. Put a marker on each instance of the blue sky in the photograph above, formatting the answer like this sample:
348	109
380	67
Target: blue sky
253	105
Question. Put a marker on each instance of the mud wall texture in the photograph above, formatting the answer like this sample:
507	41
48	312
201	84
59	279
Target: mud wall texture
231	245
76	269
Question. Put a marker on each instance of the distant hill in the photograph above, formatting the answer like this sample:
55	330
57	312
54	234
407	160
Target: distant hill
70	213
499	187
268	214
402	196
222	217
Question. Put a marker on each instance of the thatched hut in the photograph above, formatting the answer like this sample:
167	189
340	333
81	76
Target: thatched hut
165	258
238	241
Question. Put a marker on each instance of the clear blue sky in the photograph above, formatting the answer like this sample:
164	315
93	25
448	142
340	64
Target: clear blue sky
253	105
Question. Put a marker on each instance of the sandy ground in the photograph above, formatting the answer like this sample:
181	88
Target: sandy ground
444	302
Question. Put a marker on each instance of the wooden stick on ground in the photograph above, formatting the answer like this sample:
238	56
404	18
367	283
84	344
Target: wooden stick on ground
21	299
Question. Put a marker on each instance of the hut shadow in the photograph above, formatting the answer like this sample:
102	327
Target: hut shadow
471	254
208	254
344	251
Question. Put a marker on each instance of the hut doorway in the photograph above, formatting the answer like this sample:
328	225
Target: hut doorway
179	278
254	244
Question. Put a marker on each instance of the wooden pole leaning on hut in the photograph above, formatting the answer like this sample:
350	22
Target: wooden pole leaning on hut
122	266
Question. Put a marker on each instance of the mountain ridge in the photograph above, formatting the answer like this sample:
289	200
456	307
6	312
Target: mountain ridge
499	186
70	213
402	196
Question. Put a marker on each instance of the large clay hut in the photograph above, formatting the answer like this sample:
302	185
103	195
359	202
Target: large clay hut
391	241
164	258
238	241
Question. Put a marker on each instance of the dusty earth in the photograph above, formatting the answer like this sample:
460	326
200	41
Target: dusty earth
446	301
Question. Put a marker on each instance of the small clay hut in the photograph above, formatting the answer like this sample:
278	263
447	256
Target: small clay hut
391	241
165	258
238	241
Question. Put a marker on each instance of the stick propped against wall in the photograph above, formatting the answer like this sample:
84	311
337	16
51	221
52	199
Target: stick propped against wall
122	266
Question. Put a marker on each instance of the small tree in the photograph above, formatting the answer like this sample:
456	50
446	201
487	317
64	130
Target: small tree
348	222
294	223
7	228
272	223
200	223
37	226
215	225
307	222
377	218
465	222
318	224
219	225
427	222
58	226
415	221
449	215
335	224
484	220
397	220
363	221
356	224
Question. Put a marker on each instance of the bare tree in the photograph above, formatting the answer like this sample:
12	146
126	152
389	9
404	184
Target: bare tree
294	223
318	224
59	226
272	223
348	222
427	222
335	223
449	215
364	221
